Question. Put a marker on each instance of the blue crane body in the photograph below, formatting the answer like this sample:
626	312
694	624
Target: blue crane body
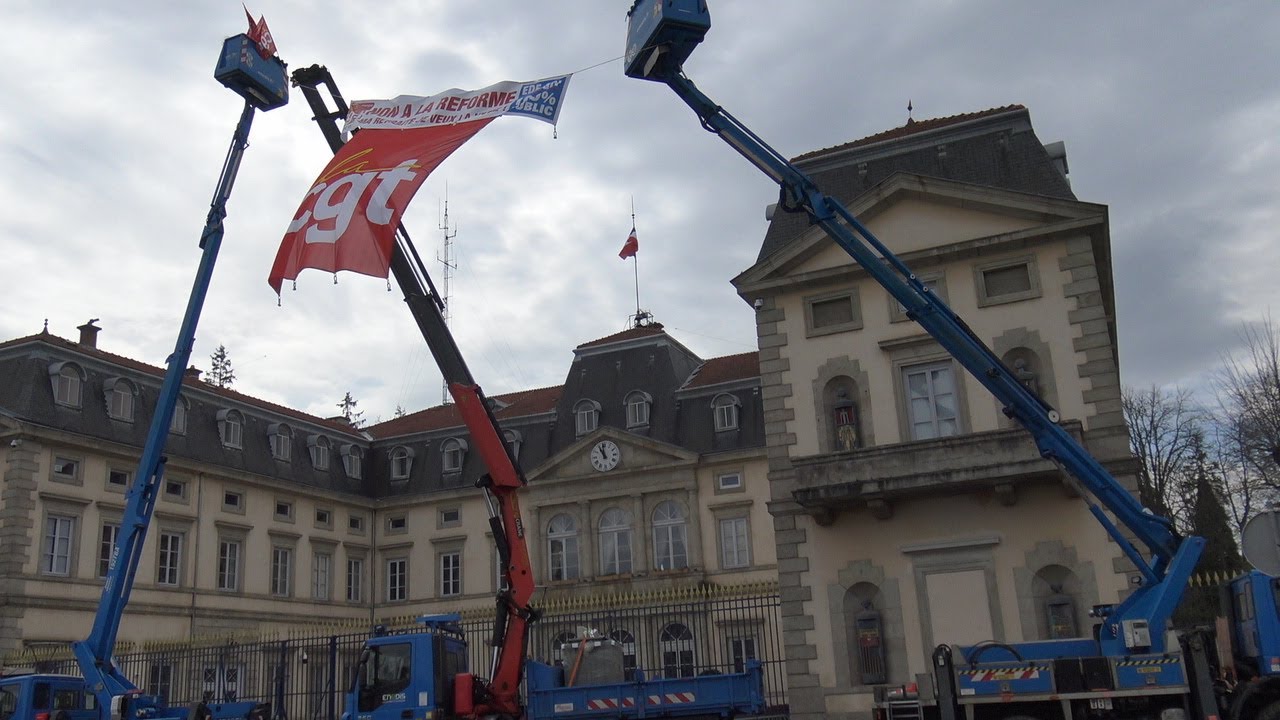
263	84
1129	668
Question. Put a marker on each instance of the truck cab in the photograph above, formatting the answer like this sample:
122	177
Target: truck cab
46	697
408	674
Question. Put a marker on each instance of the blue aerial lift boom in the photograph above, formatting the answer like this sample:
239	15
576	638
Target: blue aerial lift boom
263	84
661	36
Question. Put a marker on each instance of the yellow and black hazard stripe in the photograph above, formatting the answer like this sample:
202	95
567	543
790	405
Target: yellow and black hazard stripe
1148	661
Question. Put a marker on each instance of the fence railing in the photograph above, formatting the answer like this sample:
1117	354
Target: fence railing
305	673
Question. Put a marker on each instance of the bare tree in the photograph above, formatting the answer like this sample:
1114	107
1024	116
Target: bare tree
1163	428
1249	393
1245	491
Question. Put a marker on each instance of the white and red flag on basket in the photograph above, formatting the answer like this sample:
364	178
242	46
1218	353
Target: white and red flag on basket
348	218
259	33
631	246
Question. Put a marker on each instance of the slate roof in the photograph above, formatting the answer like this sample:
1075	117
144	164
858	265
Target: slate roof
994	148
725	369
511	405
649	330
191	382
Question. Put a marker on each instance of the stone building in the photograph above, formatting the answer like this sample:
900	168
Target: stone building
646	472
908	511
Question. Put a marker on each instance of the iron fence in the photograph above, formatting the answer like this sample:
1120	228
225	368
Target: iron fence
304	676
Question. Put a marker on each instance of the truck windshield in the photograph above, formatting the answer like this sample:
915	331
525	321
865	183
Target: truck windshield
8	703
384	675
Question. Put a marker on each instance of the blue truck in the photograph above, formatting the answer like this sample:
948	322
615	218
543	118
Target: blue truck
1131	668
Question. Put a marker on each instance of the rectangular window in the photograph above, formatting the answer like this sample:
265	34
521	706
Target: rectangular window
178	425
355	523
106	546
66	469
397	579
282	446
637	413
175	489
233	501
281	571
450	517
397	524
68	384
351	463
160	681
118	478
741	649
229	565
729	481
932	406
284	510
324	519
832	313
1007	281
735	544
726	415
321	576
355	580
120	402
450	573
55	557
169	562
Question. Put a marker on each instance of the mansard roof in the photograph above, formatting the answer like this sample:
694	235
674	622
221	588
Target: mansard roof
522	403
994	148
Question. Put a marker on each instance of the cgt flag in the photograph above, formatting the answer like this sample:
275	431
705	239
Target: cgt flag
260	34
631	246
347	221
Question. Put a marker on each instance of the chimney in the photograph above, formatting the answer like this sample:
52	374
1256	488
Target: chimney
89	333
192	372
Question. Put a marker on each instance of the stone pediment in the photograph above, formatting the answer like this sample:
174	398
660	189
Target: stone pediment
636	454
916	214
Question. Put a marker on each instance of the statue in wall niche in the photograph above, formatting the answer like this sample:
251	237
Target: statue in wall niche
846	422
1026	375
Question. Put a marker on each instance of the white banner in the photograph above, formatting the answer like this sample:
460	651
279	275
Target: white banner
539	99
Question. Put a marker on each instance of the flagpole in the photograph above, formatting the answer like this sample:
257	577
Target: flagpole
635	259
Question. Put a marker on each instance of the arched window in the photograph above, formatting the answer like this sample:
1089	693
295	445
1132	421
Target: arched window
401	462
627	642
670	548
452	452
67	379
586	416
178	425
1057	594
119	396
319	447
513	440
615	542
638	403
351	457
676	643
725	407
231	428
281	439
865	637
562	547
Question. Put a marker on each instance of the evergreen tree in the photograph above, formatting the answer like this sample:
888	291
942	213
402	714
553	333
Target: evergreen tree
348	408
221	375
1221	556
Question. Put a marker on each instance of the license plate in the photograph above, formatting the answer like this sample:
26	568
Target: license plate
1100	703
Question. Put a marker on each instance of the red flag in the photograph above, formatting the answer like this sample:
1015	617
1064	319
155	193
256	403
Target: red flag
631	246
259	33
347	220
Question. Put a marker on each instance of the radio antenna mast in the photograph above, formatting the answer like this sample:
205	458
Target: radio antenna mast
449	264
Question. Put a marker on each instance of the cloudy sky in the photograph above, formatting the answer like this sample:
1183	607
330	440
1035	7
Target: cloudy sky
116	130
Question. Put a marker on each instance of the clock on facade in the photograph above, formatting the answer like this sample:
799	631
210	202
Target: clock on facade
605	455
